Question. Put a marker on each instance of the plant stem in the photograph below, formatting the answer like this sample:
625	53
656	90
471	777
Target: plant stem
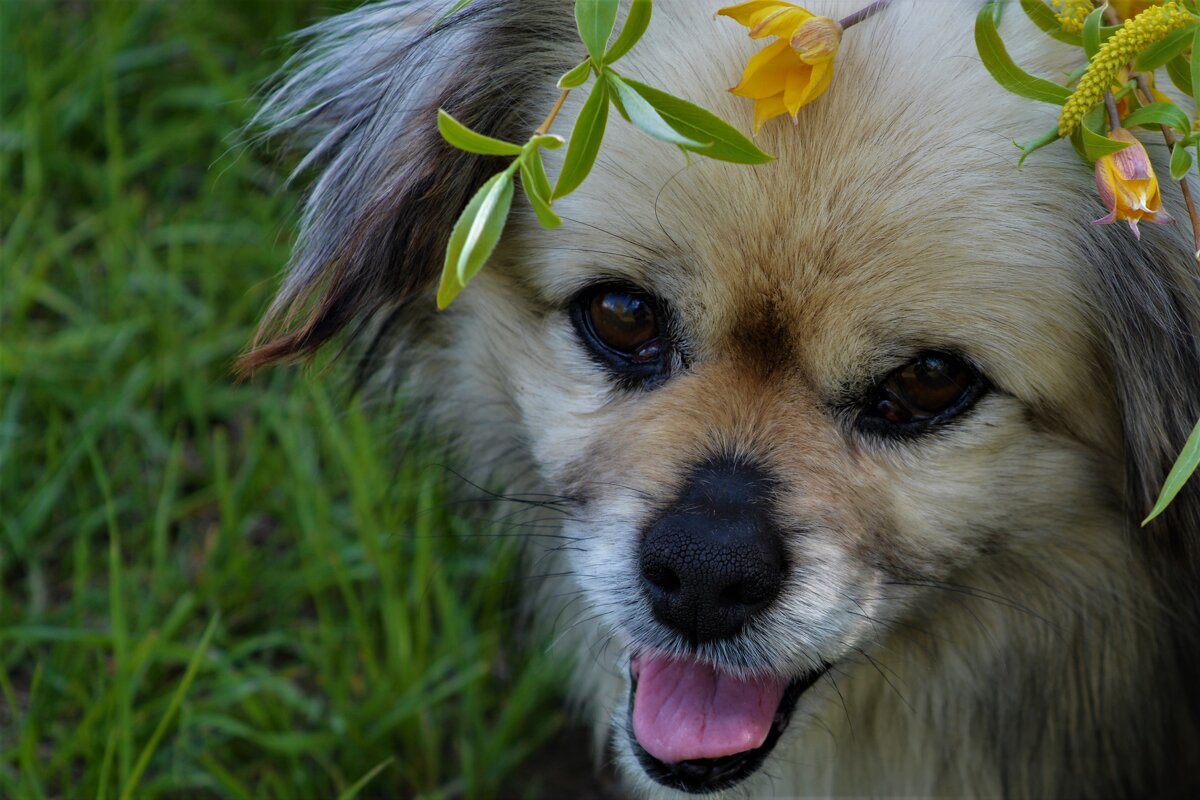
1114	118
1170	138
863	13
544	128
1143	85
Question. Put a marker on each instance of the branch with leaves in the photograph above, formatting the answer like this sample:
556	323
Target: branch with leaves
656	113
1125	43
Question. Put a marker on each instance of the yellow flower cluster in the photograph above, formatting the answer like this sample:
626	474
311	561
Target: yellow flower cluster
1135	36
1072	13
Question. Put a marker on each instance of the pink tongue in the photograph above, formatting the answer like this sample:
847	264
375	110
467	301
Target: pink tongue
685	710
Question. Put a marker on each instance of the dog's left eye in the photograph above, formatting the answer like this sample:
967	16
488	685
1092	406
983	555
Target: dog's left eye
622	326
931	388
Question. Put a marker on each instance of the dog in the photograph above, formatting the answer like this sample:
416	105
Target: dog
852	447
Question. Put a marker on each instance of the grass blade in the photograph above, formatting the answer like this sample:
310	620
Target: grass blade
160	730
353	790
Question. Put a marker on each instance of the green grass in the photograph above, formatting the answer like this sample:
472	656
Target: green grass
211	589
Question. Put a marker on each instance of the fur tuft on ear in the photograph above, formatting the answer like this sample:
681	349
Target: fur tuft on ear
361	97
1151	319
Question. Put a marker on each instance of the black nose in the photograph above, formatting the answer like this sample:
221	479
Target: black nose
715	558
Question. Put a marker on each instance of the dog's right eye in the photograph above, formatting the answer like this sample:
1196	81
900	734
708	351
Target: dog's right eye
622	326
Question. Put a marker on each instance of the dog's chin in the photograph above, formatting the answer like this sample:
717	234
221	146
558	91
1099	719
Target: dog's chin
699	730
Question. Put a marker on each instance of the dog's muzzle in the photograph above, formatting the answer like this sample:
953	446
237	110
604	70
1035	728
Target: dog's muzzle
709	564
715	558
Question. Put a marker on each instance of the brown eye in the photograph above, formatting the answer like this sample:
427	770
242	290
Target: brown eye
933	387
626	323
625	331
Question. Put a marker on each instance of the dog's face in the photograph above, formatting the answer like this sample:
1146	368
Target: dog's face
790	405
795	410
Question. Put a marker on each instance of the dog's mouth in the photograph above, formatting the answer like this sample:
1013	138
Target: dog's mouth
700	730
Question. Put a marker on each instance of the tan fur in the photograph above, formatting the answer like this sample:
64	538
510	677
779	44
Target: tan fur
997	625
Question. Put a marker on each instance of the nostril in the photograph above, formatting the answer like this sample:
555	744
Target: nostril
661	578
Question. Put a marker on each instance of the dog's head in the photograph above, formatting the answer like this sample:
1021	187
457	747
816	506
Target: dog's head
799	411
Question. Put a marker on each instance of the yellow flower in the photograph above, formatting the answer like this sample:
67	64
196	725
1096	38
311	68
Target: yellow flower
1128	9
1128	186
789	73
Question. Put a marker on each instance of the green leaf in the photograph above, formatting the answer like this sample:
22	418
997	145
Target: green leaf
646	118
550	141
454	9
1179	70
1008	74
1091	32
615	99
694	122
1160	53
595	20
1043	16
541	183
1188	460
576	76
584	142
1095	144
636	22
476	234
464	138
1181	161
1160	114
486	226
1049	137
1195	67
537	190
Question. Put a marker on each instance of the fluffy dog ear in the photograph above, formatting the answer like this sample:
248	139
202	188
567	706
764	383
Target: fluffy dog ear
361	99
1152	322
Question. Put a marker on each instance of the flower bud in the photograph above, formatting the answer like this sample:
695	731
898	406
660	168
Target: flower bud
817	40
1128	186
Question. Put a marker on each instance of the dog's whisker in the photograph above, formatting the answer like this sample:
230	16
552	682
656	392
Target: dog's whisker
978	594
886	679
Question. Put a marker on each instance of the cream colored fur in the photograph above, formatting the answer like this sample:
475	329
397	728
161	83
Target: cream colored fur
1031	654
